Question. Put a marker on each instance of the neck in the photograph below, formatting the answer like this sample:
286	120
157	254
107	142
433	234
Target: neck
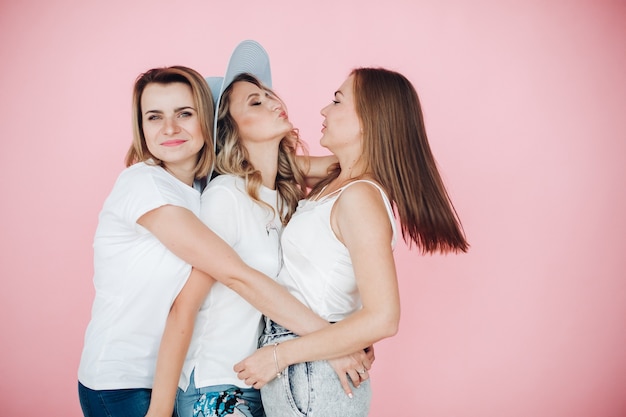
183	174
264	157
350	168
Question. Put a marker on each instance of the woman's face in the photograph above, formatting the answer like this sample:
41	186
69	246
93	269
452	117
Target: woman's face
341	125
171	125
259	115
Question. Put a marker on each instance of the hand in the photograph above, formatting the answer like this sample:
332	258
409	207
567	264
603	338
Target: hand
259	368
355	366
369	351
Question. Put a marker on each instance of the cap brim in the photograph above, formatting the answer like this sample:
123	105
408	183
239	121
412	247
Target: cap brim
215	84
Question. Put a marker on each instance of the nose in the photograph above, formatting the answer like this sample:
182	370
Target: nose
170	126
323	112
275	104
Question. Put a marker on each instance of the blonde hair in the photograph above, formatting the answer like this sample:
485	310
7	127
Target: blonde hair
138	151
233	158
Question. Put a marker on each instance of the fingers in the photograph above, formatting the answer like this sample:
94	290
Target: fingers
364	357
251	380
243	374
355	376
255	378
345	384
367	364
255	384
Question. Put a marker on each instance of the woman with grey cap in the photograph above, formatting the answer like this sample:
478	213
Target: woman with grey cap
255	195
338	246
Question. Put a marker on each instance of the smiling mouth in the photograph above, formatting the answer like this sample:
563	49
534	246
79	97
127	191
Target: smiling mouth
173	142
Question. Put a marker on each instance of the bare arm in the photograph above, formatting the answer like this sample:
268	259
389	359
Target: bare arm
191	240
175	343
374	267
187	237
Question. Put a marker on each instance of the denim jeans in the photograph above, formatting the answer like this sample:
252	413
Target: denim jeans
218	400
310	389
114	402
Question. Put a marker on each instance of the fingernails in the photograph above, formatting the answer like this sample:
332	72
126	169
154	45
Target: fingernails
349	395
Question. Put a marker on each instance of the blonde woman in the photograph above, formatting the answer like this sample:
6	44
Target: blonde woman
260	183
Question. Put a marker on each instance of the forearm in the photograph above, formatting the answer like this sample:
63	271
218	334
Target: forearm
346	337
172	352
265	294
189	239
358	331
274	301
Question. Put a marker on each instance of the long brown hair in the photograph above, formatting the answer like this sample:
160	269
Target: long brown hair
233	158
396	152
138	151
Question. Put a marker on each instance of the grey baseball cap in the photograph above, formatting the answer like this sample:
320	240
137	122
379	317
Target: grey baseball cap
247	57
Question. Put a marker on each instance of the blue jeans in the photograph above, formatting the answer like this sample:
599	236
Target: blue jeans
218	400
310	389
114	403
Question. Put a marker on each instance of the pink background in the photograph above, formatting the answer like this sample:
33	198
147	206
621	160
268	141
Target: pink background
525	105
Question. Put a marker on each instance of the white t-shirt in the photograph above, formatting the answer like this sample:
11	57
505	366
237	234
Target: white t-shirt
136	280
227	327
317	266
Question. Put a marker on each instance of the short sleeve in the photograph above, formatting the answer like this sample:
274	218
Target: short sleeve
140	189
219	211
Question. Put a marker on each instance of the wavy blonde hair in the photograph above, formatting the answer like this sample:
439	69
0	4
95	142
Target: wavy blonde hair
233	158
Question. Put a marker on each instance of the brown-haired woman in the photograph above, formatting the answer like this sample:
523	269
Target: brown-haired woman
337	248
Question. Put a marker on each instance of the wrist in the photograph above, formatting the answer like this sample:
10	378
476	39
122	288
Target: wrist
279	370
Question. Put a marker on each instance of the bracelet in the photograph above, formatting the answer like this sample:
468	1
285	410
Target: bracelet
278	373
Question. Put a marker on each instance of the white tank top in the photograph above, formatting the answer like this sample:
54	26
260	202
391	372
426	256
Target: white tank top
317	267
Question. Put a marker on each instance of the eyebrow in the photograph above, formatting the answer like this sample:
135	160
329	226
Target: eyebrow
176	110
338	92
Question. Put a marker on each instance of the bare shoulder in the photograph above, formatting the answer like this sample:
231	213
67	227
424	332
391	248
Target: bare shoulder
361	203
361	198
366	191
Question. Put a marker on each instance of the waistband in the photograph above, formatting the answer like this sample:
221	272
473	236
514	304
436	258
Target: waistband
275	329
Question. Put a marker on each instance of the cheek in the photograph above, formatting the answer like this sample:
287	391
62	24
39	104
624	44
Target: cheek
244	122
348	127
149	133
250	127
192	129
197	130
